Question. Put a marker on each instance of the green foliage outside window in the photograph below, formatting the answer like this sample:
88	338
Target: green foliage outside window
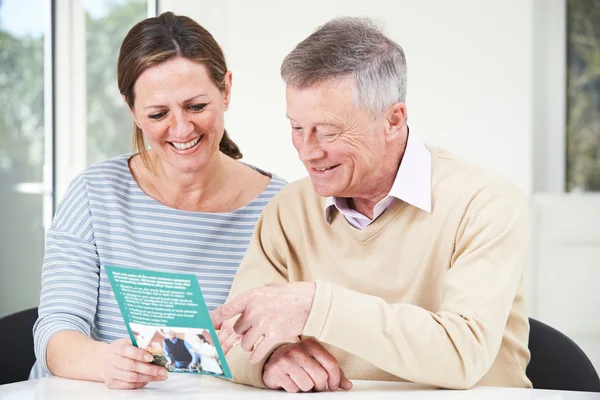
583	95
109	123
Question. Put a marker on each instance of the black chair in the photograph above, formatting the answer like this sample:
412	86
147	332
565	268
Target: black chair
557	362
16	336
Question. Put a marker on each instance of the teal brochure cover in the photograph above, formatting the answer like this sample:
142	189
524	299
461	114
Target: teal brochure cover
166	315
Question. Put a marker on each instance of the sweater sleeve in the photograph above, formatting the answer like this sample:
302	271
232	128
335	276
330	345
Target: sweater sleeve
261	266
455	347
70	273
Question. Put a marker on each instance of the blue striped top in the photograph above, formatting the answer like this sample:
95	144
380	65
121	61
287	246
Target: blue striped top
106	219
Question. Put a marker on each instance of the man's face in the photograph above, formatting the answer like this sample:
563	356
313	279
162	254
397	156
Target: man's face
340	145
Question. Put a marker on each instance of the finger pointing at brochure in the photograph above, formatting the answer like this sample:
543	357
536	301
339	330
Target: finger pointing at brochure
273	313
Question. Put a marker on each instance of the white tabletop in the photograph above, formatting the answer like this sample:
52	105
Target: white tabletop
198	387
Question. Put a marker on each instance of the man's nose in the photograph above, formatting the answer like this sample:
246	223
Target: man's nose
309	149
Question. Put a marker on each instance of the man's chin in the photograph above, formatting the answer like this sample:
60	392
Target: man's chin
321	189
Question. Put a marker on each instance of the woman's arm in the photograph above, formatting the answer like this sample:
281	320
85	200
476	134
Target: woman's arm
70	281
70	284
73	355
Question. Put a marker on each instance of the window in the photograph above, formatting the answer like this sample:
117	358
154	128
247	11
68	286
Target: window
24	196
92	120
60	111
583	95
109	124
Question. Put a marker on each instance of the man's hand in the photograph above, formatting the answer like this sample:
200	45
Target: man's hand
304	366
273	313
227	336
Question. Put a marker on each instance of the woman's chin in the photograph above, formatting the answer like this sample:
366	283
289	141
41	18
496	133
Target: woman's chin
190	168
186	164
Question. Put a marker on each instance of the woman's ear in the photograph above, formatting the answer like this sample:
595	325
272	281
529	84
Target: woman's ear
125	100
131	111
227	80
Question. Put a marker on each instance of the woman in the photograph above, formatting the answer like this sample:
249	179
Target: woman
209	359
184	205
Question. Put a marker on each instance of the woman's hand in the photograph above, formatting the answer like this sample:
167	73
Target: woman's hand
125	366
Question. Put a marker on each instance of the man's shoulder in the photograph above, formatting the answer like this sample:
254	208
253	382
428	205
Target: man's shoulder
296	198
452	174
297	191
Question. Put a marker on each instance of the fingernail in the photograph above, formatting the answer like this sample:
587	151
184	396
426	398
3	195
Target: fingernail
162	372
148	357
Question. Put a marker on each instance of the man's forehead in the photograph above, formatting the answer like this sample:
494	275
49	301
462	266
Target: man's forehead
326	107
323	88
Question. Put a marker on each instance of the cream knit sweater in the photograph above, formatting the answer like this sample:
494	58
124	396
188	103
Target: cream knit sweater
433	298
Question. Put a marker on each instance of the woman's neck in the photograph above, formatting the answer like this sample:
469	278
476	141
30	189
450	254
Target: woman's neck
194	191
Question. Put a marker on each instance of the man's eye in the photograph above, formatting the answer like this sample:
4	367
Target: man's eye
297	128
157	115
197	107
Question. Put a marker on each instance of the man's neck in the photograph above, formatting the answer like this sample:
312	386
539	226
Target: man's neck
383	183
366	206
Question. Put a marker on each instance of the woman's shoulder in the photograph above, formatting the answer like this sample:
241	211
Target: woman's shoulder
99	182
276	183
105	174
116	167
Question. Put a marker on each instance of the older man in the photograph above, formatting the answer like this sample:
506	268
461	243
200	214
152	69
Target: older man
395	261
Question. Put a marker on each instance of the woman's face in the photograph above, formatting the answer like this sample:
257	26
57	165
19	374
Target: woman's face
180	111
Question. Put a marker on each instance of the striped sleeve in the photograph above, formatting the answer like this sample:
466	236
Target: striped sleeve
70	273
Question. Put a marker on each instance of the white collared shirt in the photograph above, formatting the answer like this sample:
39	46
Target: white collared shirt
412	185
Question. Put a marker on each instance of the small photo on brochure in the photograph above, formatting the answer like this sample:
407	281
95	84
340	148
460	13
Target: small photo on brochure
179	349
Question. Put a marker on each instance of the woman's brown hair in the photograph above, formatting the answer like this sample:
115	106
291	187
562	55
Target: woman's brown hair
158	39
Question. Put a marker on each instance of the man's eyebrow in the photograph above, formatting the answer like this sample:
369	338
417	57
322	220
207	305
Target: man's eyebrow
320	123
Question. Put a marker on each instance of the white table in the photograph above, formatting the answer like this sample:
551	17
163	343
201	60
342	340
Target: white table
198	387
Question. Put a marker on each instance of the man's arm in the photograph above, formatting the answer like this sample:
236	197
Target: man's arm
455	347
261	266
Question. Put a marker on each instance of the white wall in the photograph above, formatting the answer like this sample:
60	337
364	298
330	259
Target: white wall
469	72
566	270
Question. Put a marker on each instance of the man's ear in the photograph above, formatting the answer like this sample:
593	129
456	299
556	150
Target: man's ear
395	123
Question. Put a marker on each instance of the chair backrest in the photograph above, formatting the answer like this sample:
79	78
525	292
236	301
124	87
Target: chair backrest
557	362
16	336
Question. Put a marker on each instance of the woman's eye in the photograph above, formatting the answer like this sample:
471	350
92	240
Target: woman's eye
297	128
157	115
197	107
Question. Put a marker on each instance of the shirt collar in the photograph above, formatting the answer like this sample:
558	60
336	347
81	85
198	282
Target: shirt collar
412	184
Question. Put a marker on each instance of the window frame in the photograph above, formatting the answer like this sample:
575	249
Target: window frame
550	96
68	154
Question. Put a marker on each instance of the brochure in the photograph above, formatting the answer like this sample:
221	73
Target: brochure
166	315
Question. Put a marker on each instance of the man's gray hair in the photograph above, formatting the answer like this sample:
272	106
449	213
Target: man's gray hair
350	47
